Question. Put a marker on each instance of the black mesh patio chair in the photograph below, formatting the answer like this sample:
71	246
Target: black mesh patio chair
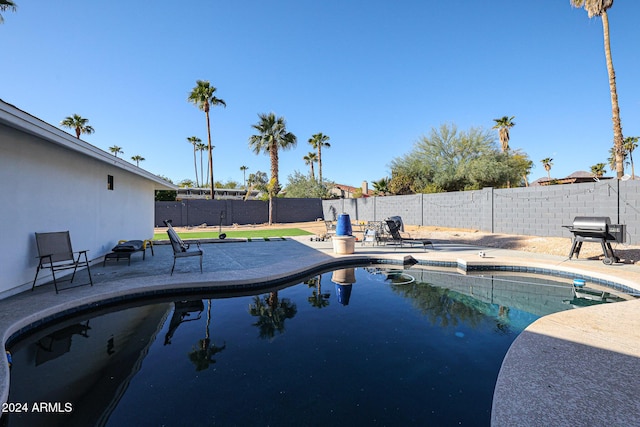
55	253
396	237
182	249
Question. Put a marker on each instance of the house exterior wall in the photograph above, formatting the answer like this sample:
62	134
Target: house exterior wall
50	188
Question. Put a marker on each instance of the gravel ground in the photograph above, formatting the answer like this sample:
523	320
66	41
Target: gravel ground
628	253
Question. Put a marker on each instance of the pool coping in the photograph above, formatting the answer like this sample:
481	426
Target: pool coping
464	259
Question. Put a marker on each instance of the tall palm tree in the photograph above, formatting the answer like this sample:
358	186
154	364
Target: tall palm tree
310	159
599	8
202	96
78	123
318	141
6	5
244	175
547	163
202	354
137	158
598	170
630	144
503	124
194	140
272	313
612	159
115	150
272	135
318	299
202	147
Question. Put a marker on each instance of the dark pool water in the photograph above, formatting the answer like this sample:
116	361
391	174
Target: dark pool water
385	350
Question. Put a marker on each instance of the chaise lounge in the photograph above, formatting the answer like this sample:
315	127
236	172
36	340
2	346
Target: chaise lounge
394	224
125	248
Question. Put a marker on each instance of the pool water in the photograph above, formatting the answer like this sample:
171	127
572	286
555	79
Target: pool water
356	346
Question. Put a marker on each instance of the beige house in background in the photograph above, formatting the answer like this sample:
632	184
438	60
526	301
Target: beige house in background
343	191
52	181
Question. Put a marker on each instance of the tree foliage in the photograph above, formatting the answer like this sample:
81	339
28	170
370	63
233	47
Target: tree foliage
7	5
77	123
303	186
166	195
452	160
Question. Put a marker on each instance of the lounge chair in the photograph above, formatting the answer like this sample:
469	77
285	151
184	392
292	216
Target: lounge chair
125	248
394	226
55	253
182	249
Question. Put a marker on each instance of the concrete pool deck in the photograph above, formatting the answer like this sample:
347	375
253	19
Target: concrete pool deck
577	367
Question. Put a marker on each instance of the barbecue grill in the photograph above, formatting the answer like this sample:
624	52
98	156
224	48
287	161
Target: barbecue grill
596	229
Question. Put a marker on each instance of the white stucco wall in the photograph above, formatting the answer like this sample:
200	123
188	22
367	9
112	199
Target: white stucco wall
47	187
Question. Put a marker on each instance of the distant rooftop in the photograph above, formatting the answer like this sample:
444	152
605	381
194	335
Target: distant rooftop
575	178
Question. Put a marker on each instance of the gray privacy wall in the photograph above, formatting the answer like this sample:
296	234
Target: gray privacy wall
535	211
198	212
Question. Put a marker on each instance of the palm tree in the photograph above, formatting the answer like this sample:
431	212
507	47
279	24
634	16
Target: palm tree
381	187
78	123
115	150
272	313
503	125
310	159
630	144
138	158
547	163
194	140
244	175
598	170
272	135
318	299
318	141
599	8
202	96
202	354
6	5
202	147
612	159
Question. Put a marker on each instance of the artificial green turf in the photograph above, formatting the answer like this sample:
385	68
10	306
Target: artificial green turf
253	234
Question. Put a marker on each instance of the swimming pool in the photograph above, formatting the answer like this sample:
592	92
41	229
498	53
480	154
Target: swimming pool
364	345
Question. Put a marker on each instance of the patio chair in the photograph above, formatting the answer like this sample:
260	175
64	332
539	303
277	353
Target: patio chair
374	232
182	249
396	238
55	253
331	229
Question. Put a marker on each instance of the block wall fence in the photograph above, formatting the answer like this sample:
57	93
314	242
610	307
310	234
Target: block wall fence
198	212
535	211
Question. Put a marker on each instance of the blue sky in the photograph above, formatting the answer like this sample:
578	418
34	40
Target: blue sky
373	75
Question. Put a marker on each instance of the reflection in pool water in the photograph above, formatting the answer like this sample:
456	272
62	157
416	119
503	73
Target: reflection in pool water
350	347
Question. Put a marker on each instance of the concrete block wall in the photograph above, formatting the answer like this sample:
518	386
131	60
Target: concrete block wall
458	210
535	211
408	207
198	212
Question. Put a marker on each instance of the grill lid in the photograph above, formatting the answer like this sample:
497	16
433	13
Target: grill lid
591	223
